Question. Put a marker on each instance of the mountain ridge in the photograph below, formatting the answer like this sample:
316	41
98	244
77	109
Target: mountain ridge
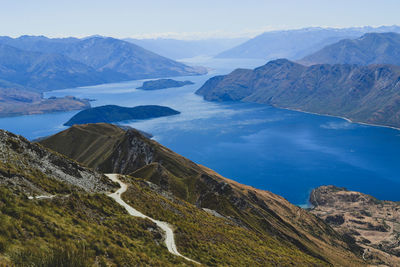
366	94
146	160
107	55
371	48
295	44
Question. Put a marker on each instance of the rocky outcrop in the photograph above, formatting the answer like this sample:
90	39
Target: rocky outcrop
131	153
374	225
35	170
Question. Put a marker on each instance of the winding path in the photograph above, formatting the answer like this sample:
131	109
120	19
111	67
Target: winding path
41	197
169	233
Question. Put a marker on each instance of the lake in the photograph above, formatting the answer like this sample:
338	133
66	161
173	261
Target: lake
286	152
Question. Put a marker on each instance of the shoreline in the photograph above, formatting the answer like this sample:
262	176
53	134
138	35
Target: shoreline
340	117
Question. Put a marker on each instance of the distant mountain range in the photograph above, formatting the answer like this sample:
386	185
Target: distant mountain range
39	64
368	94
296	44
42	72
371	48
47	64
181	49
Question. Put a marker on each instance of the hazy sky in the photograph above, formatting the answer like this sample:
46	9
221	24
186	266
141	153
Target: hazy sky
186	18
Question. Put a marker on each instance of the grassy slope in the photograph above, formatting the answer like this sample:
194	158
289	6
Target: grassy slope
76	228
100	135
92	228
262	212
212	240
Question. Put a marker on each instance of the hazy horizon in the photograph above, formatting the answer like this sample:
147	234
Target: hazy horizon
189	20
183	37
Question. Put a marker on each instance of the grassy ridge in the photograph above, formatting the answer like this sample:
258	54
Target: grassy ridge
261	214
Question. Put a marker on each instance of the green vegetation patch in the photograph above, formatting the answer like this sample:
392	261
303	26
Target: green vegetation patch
77	230
209	239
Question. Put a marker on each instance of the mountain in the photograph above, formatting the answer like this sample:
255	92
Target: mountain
37	63
371	48
114	59
373	223
202	204
42	72
113	113
181	49
55	212
295	44
163	84
367	94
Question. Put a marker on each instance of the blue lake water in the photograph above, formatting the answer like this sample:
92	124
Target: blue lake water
286	152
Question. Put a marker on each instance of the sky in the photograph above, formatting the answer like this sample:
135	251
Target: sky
187	19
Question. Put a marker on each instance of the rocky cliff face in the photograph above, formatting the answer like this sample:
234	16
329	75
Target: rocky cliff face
373	224
259	211
367	94
36	171
130	154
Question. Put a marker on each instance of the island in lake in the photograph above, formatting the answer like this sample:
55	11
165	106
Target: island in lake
113	113
163	84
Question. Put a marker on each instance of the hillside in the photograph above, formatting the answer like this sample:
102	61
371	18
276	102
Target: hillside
42	72
54	212
108	148
113	113
373	223
39	64
367	94
115	60
163	84
371	48
295	44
